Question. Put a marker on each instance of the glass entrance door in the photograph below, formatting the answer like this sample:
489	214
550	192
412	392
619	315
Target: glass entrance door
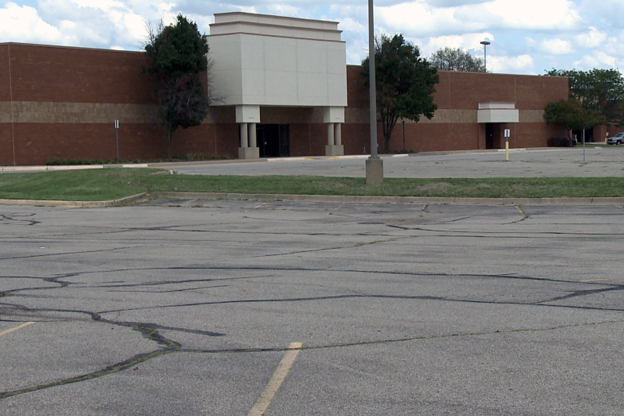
273	140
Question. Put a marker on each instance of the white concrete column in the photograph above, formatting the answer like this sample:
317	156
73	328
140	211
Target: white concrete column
252	135
330	134
337	134
243	133
334	117
247	116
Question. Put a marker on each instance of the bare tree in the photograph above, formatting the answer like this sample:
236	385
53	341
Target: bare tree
454	59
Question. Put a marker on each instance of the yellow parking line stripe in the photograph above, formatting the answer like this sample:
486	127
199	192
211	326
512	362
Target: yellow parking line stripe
276	381
8	331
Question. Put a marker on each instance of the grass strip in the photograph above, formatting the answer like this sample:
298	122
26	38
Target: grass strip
115	183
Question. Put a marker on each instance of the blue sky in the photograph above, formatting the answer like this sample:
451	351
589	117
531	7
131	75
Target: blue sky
527	36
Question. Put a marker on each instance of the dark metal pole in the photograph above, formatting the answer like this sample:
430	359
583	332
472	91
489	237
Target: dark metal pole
372	85
117	138
583	144
404	136
485	43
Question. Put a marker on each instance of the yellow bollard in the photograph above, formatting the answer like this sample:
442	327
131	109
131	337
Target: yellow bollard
507	151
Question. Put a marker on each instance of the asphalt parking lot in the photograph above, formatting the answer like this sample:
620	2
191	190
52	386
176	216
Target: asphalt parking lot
240	307
549	162
189	307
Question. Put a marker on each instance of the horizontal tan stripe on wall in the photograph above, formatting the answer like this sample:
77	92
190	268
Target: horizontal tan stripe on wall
100	113
445	116
361	116
532	116
51	112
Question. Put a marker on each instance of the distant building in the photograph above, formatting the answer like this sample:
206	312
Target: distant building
286	91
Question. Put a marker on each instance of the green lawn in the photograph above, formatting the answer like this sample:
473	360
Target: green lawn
108	184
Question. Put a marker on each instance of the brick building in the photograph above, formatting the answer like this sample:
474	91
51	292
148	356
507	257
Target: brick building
62	102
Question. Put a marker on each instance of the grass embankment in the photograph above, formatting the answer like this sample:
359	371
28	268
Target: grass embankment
108	184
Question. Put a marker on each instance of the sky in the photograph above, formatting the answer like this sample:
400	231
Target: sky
527	36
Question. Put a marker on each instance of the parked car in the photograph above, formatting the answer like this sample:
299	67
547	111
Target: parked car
617	139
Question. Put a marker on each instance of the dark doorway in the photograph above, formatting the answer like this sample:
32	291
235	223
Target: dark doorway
489	136
273	140
589	135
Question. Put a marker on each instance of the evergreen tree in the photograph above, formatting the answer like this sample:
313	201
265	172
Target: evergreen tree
405	83
178	58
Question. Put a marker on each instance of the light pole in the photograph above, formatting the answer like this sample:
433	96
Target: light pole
374	164
485	43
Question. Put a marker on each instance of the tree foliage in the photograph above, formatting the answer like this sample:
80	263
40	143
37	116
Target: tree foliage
405	83
454	59
571	113
177	56
599	90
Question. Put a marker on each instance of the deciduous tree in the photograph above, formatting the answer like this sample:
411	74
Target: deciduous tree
405	83
178	58
454	59
600	90
571	113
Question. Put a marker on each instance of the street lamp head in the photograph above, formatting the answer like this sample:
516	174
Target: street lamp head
485	42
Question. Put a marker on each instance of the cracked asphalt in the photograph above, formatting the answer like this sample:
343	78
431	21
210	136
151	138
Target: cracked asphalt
186	307
539	162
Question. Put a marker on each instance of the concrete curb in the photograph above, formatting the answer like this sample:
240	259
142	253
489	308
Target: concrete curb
74	204
46	168
617	201
43	168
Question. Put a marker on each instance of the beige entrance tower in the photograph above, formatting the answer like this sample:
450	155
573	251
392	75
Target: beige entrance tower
272	61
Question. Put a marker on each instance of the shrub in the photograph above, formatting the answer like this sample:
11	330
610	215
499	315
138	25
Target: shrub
561	142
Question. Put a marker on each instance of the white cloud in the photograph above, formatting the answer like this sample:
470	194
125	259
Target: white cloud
468	41
614	46
550	31
605	59
522	64
351	25
608	12
23	24
556	46
245	9
586	62
103	23
599	59
592	39
357	50
285	10
454	3
418	17
535	14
